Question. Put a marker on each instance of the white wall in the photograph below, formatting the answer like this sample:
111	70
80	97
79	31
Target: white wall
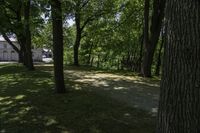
37	54
7	53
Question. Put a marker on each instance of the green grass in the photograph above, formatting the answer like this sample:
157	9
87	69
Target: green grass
28	104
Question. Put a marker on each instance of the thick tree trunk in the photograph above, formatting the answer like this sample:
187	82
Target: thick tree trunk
21	39
147	62
179	107
58	45
150	43
28	52
21	57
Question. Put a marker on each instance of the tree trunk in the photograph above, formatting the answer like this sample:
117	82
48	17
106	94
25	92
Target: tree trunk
90	53
28	52
21	57
179	106
91	63
58	45
78	39
98	61
21	39
118	64
145	64
158	64
150	43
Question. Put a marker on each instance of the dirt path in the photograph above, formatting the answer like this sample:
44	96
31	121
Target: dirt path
131	90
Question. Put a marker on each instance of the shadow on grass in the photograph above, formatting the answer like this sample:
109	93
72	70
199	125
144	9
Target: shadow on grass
28	104
132	90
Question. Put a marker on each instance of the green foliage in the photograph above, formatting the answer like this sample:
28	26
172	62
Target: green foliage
111	30
115	34
44	38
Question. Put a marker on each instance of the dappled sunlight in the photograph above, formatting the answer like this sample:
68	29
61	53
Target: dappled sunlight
95	104
19	97
4	98
77	87
86	76
120	88
50	121
133	90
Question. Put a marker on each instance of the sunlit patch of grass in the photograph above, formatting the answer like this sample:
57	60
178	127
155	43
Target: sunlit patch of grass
28	104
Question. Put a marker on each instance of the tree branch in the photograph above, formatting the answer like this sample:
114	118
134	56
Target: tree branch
84	4
10	42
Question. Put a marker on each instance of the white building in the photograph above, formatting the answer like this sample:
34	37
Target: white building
7	53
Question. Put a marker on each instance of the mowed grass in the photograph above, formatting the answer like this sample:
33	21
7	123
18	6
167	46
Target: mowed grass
28	104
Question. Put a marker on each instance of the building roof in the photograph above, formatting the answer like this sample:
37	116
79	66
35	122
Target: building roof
11	38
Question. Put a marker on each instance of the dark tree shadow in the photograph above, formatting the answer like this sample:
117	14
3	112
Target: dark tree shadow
28	104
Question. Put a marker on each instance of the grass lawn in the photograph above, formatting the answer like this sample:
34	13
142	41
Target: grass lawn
28	104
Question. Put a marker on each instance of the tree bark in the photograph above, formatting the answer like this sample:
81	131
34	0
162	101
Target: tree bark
20	36
150	42
78	39
179	106
28	52
21	39
58	45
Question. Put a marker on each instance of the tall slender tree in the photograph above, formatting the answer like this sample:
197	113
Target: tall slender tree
179	107
56	11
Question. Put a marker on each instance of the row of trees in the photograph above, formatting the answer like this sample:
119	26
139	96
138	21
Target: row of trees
20	17
125	34
100	28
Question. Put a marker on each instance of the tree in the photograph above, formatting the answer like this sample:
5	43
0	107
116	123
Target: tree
179	108
16	20
56	11
150	41
9	23
84	12
27	33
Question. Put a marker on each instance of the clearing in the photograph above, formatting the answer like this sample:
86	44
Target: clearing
98	102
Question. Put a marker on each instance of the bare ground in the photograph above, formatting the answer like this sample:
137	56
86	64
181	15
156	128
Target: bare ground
133	91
